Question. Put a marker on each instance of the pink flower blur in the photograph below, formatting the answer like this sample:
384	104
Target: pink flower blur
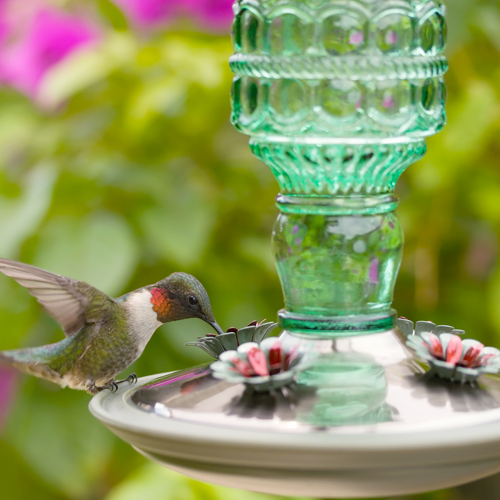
149	12
356	38
210	14
8	379
373	275
49	37
388	101
391	37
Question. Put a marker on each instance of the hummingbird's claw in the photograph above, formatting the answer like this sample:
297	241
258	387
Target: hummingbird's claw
112	386
131	379
94	389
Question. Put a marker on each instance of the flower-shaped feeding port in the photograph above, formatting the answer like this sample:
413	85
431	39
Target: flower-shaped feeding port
215	345
451	358
406	327
261	367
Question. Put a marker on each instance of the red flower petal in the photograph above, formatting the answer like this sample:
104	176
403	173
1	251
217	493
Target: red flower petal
472	354
454	350
242	366
257	360
435	346
275	357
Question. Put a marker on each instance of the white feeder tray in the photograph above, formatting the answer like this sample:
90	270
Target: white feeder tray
364	423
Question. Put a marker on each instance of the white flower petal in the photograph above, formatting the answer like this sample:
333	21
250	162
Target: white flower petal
244	348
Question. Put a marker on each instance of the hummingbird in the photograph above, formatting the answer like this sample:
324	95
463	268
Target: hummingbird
103	335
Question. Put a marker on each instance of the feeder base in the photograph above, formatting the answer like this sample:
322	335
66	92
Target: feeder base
362	421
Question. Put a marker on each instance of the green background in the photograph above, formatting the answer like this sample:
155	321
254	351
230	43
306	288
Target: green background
130	171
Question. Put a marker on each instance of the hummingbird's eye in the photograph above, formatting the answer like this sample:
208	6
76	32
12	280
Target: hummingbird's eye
192	300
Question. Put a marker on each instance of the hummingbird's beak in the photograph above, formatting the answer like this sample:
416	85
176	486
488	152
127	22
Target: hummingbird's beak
216	327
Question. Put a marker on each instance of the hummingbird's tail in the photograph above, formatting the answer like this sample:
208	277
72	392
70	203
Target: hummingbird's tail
32	361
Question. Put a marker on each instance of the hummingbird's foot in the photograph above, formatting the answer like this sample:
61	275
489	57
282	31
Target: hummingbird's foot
131	379
112	386
94	389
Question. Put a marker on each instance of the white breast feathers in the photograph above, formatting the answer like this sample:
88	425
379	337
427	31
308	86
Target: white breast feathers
143	321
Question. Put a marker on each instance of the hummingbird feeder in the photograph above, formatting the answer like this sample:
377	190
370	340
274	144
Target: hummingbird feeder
337	97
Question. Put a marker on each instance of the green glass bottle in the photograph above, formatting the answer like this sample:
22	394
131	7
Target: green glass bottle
338	97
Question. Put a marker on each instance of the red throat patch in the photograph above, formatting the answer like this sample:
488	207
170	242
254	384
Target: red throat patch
161	302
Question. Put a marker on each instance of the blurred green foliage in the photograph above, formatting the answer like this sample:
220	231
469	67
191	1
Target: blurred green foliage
132	171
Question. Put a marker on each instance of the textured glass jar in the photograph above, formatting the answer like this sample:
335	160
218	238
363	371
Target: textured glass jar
338	97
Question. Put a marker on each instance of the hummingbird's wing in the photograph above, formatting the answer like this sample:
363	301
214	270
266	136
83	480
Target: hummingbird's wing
68	301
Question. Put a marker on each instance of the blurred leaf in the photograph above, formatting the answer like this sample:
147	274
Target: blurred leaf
18	481
471	121
18	123
59	439
180	230
156	483
259	249
111	12
484	199
194	61
458	15
165	92
163	96
99	249
84	68
15	313
493	305
488	19
21	216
